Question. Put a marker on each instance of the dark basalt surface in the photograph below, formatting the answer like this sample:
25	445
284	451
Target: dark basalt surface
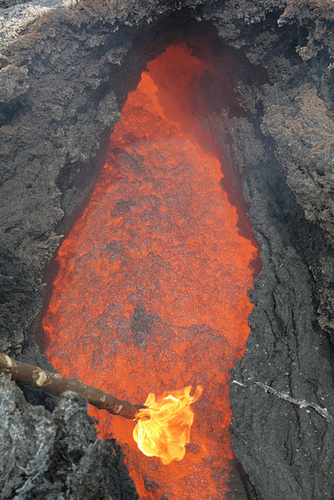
64	78
56	455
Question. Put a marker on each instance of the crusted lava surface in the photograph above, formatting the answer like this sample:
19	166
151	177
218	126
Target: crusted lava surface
67	68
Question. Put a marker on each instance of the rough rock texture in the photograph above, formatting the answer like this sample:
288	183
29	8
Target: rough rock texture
66	68
58	455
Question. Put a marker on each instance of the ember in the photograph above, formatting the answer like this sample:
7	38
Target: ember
153	279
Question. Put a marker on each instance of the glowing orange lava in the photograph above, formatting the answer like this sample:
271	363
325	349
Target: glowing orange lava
151	294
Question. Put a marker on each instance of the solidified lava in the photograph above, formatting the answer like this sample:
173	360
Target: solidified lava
151	294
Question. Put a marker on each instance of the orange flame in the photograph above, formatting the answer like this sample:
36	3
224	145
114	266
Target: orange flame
163	428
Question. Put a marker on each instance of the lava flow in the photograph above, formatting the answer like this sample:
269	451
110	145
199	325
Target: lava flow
151	293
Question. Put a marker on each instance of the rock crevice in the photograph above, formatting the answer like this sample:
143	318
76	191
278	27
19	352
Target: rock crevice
66	68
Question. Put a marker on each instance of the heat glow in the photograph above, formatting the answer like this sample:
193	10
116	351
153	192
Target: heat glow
151	293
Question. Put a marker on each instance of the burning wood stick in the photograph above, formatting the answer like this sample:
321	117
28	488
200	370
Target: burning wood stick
41	379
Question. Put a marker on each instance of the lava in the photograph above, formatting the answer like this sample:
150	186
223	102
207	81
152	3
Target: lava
151	293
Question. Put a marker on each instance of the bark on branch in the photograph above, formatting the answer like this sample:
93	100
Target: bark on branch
41	379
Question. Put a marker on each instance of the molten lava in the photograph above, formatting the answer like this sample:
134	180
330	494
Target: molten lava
163	428
151	293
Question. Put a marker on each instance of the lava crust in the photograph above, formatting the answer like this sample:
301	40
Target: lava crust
67	68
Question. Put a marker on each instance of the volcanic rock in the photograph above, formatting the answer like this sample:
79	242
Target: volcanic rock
66	69
56	455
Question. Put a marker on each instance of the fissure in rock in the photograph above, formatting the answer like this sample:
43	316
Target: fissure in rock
151	295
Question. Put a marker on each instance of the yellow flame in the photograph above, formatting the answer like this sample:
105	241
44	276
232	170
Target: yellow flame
163	428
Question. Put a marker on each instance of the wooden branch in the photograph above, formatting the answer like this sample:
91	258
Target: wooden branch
41	379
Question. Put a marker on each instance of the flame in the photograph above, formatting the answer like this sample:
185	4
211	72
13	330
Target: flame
163	428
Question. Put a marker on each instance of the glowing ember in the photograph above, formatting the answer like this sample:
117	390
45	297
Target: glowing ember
163	428
151	291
